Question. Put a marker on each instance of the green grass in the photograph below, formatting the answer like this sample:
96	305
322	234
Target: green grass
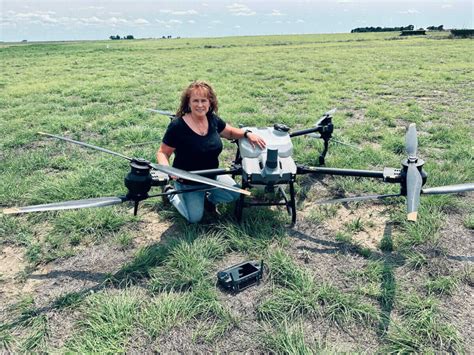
422	328
291	339
299	294
98	92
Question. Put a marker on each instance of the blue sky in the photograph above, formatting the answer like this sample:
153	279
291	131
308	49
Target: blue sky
49	20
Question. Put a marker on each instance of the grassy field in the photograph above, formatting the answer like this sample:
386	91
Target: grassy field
345	278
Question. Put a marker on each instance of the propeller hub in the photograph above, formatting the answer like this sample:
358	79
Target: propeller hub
139	180
140	163
413	160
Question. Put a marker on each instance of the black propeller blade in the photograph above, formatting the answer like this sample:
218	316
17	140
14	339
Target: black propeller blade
68	205
163	168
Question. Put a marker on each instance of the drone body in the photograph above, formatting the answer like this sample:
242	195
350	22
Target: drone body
273	168
273	165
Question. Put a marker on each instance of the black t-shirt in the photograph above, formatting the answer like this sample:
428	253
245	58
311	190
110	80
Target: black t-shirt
193	151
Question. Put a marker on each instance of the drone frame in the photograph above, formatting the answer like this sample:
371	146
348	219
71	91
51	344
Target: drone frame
144	175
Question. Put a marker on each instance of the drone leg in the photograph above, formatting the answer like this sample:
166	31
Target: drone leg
292	203
323	154
135	208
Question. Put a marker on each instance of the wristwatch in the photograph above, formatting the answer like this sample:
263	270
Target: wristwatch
246	133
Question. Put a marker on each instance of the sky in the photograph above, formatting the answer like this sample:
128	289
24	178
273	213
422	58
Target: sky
58	20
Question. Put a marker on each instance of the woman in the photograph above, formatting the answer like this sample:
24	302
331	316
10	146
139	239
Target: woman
194	137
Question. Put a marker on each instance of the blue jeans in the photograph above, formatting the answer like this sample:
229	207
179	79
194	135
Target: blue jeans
191	204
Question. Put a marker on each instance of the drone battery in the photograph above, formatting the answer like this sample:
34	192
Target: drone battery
240	276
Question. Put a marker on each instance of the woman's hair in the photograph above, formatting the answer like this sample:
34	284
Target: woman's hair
197	85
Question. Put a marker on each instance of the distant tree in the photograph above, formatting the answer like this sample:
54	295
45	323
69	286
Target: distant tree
115	37
129	37
382	29
462	33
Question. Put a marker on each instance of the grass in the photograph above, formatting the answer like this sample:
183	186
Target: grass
301	295
421	328
99	92
291	339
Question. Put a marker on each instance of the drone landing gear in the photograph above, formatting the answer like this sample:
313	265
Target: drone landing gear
289	203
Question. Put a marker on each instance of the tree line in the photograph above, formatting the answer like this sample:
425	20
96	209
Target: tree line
391	29
124	37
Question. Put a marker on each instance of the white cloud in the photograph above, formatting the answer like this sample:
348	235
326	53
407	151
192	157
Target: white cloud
409	12
35	17
240	10
141	21
217	22
91	8
170	22
179	13
276	13
446	6
191	21
300	21
344	1
236	26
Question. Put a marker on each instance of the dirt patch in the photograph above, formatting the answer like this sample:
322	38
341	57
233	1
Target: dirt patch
86	270
368	224
12	263
151	228
458	310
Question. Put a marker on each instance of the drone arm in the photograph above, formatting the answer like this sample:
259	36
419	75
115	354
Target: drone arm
302	169
306	131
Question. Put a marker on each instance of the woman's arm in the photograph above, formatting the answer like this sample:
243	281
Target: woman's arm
164	153
230	132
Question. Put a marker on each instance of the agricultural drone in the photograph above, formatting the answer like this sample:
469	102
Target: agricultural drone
272	168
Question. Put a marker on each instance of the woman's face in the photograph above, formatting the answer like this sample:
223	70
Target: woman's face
199	102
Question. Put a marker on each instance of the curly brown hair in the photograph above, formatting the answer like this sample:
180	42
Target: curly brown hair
197	85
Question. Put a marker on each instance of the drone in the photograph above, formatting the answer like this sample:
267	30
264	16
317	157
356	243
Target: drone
272	168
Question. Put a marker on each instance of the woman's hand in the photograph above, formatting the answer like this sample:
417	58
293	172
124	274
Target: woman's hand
256	140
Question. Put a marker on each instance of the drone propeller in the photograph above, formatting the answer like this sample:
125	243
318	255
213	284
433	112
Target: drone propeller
414	180
68	205
317	135
89	203
449	189
163	168
161	112
357	198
